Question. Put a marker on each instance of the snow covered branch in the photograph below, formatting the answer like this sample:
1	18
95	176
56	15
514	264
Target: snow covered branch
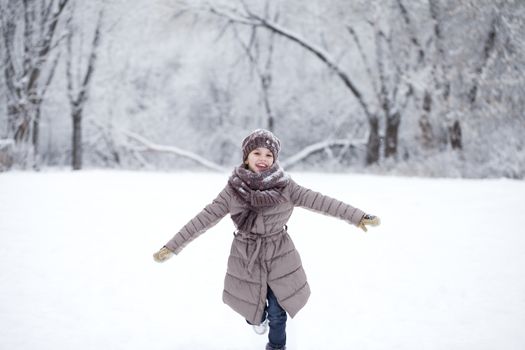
252	19
151	146
317	147
6	142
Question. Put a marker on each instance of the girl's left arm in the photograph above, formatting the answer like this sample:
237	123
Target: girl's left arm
318	202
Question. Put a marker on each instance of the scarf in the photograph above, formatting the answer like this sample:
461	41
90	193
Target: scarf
256	191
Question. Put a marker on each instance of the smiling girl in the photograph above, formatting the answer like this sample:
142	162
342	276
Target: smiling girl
265	279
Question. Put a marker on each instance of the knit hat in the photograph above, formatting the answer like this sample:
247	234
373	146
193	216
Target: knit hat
261	138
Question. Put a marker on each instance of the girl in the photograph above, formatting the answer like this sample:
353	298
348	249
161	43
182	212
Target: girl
265	280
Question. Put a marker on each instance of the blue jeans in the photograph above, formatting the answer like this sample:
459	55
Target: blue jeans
277	321
277	318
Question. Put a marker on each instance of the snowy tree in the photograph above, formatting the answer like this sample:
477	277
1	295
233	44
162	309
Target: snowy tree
29	41
466	43
78	82
410	87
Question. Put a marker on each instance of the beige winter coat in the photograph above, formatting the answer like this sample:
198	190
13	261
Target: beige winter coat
267	255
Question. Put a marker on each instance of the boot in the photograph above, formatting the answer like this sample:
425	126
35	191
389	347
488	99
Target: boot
262	328
270	347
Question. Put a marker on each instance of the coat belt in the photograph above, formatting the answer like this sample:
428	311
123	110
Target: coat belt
257	238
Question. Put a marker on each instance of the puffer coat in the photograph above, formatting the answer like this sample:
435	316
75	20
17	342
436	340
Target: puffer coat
266	256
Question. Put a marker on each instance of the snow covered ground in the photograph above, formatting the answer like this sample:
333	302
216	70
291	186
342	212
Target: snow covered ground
446	270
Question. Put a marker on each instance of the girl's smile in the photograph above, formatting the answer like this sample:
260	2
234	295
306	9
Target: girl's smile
259	160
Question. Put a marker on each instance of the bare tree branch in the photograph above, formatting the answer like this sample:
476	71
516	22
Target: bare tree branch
411	31
488	52
355	37
45	44
264	72
91	61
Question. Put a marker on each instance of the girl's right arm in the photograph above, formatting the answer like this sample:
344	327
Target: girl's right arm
203	221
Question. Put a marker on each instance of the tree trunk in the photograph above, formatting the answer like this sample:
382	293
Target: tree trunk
372	148
425	126
77	100
23	126
455	135
36	140
392	130
266	83
77	140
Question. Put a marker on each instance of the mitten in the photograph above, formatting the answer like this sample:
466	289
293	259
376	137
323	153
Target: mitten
162	255
368	219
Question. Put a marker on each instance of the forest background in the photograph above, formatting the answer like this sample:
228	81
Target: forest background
419	88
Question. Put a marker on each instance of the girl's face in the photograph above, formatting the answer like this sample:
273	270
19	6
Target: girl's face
260	159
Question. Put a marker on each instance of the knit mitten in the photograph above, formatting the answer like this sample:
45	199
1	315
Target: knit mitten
162	255
370	220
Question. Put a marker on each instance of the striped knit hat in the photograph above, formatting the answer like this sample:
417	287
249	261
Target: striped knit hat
261	138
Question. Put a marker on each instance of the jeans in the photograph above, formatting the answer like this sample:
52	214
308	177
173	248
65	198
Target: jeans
277	321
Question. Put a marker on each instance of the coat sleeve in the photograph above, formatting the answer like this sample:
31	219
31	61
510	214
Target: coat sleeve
315	201
207	218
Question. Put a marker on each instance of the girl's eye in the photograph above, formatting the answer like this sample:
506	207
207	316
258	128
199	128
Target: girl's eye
269	155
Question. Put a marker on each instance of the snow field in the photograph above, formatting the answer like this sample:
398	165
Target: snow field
444	271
